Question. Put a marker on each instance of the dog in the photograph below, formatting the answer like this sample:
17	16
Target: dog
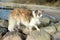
26	17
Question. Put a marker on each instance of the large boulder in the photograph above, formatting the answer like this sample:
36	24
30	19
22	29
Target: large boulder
49	29
12	36
38	35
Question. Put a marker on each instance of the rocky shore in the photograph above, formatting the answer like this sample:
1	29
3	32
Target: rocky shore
49	30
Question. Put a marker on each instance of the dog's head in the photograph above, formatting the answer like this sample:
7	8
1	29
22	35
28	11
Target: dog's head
37	13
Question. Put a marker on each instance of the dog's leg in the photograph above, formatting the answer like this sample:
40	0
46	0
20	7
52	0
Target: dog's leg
12	24
36	27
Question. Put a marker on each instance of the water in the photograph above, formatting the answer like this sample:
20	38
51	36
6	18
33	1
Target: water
7	0
4	14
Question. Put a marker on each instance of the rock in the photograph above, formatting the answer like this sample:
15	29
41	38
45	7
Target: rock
57	25
50	29
12	36
3	23
0	35
26	31
56	36
2	31
44	21
38	35
53	20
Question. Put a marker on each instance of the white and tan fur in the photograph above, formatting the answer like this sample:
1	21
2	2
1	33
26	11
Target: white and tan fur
26	17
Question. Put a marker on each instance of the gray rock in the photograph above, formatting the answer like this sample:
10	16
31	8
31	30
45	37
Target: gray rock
0	35
49	29
12	36
38	35
2	31
57	25
3	23
56	36
53	20
44	21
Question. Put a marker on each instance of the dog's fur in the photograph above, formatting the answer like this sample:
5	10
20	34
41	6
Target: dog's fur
23	16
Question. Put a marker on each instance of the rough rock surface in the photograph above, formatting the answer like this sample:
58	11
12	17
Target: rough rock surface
12	36
49	29
56	36
2	31
38	35
57	25
44	21
3	23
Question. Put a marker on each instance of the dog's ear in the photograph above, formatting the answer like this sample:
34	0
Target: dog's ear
41	15
33	13
36	11
39	12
